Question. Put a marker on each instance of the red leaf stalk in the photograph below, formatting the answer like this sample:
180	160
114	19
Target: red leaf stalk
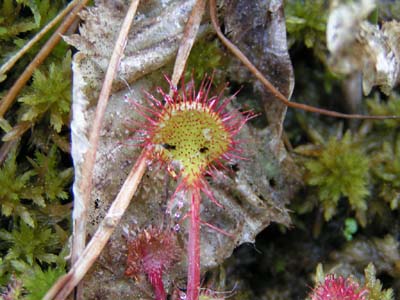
155	279
193	284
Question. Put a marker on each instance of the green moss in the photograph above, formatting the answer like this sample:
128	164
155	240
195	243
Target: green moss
28	249
21	19
14	187
388	108
306	23
374	286
50	181
37	282
31	245
341	170
242	295
205	57
33	190
49	95
14	290
45	183
11	24
386	170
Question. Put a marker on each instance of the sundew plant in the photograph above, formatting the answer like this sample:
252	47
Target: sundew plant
192	133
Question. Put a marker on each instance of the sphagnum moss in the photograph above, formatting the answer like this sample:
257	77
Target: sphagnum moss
340	170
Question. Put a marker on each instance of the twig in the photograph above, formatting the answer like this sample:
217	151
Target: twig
64	285
189	36
17	131
5	149
10	63
85	187
236	51
39	58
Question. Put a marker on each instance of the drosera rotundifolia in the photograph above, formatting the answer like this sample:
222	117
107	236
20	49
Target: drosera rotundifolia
192	134
152	251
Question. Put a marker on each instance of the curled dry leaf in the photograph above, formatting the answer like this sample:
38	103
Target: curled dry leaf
152	41
253	194
356	45
258	29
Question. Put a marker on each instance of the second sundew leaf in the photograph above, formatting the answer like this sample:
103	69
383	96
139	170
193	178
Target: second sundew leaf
340	170
49	95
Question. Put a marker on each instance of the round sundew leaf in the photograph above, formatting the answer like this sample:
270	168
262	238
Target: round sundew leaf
192	136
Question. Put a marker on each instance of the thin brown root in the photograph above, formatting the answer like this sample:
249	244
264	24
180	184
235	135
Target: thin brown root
12	93
64	285
236	51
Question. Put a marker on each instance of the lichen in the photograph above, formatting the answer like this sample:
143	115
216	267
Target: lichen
350	228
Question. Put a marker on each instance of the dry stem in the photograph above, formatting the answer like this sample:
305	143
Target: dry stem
80	210
85	187
64	285
39	58
236	51
189	36
10	63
